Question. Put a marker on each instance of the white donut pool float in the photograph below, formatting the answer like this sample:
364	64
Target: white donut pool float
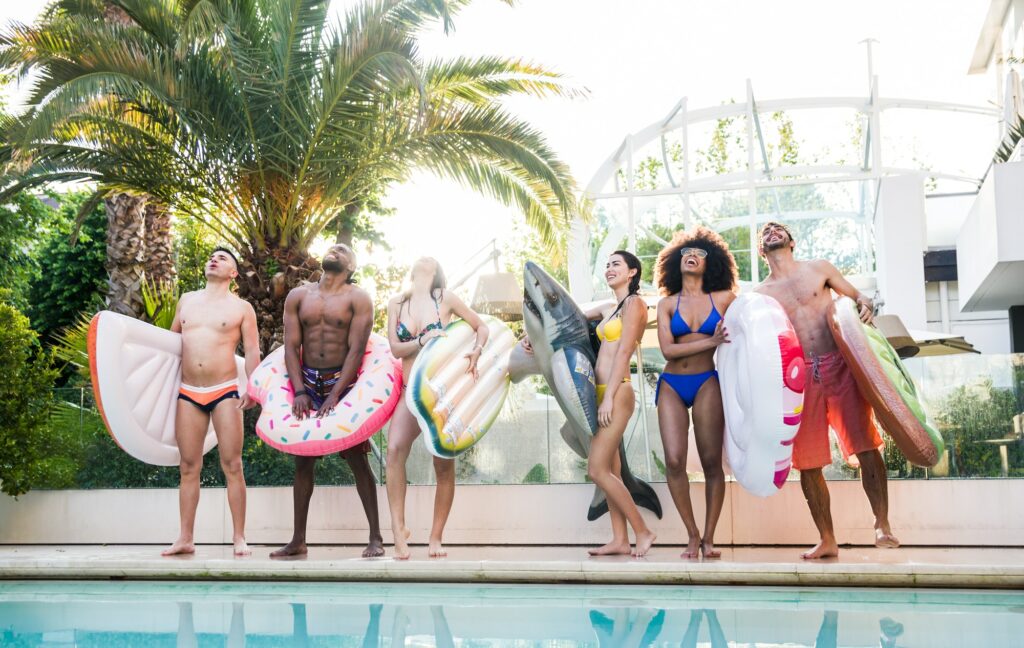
361	412
136	373
761	372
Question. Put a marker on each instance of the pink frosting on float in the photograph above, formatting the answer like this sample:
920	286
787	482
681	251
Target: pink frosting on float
363	410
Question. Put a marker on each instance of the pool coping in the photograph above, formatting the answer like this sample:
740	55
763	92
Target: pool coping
605	572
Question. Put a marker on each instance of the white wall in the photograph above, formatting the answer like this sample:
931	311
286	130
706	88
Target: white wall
988	331
990	256
900	244
923	512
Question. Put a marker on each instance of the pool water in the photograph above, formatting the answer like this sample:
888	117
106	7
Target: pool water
119	613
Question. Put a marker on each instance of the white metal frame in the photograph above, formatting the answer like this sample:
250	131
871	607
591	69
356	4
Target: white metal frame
756	176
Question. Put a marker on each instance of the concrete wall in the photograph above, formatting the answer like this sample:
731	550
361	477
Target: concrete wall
990	257
923	512
900	244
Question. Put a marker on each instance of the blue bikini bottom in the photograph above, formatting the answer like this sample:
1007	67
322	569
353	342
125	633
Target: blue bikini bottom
686	385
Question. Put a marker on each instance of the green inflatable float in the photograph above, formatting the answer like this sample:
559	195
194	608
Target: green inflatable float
884	381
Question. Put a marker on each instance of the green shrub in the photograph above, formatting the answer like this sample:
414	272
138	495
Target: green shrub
26	393
21	221
537	475
71	278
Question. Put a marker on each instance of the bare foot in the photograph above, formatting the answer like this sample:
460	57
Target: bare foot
613	548
402	544
180	548
436	550
885	539
824	549
707	548
375	549
692	549
293	548
242	549
643	543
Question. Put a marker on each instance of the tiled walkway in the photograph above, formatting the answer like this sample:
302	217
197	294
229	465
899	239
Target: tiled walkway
856	566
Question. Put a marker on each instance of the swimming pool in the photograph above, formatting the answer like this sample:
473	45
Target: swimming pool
114	614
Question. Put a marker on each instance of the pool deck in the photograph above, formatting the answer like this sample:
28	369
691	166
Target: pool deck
960	567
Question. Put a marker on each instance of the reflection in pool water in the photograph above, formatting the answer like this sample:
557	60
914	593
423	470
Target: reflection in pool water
114	614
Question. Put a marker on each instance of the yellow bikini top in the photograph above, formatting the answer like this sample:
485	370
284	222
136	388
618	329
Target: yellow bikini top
611	330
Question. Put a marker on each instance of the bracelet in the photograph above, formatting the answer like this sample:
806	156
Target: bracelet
420	339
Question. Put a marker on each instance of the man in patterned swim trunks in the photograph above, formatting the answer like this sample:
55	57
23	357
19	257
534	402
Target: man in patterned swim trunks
327	324
831	396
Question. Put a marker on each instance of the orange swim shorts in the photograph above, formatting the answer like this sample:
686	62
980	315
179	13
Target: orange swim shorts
832	399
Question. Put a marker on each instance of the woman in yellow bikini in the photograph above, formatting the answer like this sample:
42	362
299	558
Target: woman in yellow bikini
620	330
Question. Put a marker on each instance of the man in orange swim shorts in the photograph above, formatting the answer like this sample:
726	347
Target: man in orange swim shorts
831	396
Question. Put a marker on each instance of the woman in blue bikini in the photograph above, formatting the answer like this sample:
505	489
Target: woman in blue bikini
697	275
415	317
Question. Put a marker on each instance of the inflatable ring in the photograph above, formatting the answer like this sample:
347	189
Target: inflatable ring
136	373
362	411
885	383
454	410
761	373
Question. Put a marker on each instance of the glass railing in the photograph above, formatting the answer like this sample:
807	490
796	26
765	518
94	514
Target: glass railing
975	401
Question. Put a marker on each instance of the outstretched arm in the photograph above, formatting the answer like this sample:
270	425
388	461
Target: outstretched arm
358	336
837	282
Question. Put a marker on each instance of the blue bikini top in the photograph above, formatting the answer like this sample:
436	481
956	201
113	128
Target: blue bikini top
680	327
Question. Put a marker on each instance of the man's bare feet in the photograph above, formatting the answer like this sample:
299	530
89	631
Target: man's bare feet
707	547
885	539
643	543
613	548
179	548
293	548
436	550
692	551
241	548
375	549
402	544
824	549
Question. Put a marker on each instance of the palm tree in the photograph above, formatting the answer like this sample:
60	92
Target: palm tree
265	119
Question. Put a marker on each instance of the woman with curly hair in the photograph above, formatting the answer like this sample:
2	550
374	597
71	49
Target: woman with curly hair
697	276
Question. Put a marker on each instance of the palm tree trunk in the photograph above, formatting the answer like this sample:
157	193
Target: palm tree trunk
347	224
159	244
264	279
125	226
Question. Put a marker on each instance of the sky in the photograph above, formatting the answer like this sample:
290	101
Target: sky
637	58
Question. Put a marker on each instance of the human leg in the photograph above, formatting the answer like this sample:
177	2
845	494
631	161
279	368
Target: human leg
190	425
812	481
227	424
402	431
444	495
302	493
674	424
708	430
619	544
603	447
366	486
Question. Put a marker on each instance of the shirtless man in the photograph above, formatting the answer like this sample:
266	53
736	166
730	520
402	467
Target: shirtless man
831	396
212	321
326	328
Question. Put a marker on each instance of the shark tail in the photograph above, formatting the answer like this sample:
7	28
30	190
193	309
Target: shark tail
642	493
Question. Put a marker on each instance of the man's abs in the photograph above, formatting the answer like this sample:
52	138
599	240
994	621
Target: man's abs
208	347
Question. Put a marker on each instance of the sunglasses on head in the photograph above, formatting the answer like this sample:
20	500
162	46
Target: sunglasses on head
690	251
